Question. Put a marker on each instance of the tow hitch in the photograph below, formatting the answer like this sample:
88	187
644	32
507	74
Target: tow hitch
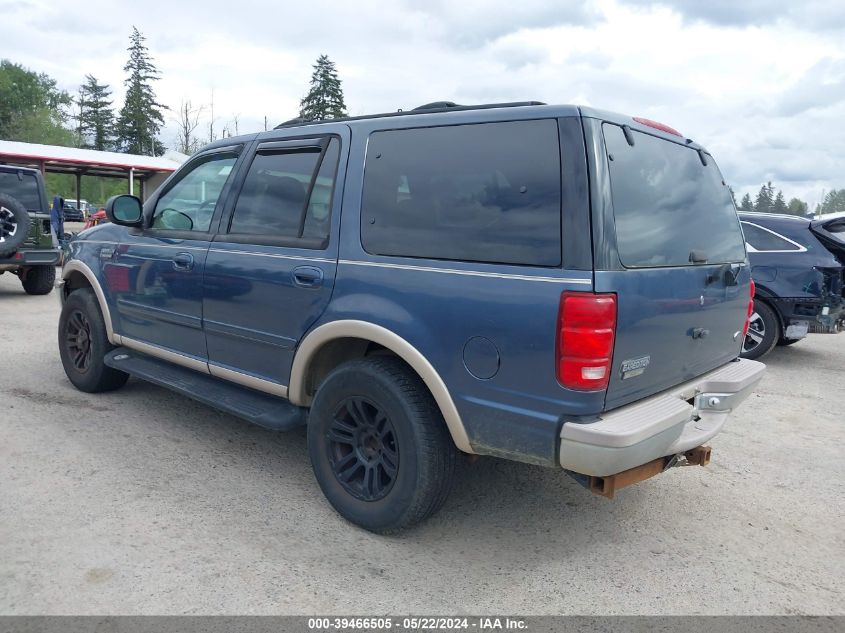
607	486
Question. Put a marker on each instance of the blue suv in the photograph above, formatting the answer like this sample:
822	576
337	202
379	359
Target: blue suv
549	284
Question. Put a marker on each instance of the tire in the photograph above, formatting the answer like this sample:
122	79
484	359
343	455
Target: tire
14	225
783	342
763	332
375	423
83	343
39	280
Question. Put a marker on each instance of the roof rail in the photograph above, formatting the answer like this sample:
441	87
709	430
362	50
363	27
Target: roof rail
428	108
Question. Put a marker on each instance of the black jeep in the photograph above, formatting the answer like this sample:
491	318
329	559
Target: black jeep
27	246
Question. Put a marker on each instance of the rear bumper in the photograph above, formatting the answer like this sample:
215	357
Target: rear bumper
668	423
33	257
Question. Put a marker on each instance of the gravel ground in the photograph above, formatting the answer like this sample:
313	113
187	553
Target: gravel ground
144	502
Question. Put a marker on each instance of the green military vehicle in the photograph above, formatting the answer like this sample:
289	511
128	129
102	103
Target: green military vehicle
27	246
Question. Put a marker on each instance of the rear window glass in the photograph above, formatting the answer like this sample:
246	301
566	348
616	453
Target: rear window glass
668	205
484	193
762	239
21	186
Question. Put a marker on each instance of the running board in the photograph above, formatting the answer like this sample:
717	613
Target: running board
264	410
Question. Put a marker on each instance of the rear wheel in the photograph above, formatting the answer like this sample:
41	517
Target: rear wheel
379	446
84	343
763	332
39	280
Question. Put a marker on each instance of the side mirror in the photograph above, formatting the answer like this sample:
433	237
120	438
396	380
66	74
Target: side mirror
125	210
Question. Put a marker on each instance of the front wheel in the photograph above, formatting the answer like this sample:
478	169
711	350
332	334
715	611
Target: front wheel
84	343
763	332
379	446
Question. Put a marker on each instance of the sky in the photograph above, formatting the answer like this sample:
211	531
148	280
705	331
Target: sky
760	83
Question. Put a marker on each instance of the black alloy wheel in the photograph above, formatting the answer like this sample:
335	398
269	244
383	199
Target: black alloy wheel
78	340
363	450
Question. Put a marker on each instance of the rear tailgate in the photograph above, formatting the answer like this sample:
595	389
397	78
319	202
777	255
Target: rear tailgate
682	282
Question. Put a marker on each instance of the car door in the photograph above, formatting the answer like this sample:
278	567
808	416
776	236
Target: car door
155	273
271	267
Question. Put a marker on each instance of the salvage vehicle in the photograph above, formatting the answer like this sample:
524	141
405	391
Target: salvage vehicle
26	239
798	267
555	285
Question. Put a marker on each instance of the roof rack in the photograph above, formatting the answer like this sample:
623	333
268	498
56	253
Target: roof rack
428	108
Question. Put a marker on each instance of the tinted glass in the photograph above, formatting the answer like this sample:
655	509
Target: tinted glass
763	240
319	207
21	186
485	193
272	199
189	204
667	204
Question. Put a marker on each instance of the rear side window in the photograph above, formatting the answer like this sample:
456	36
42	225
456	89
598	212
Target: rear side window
668	205
21	186
762	239
273	198
484	193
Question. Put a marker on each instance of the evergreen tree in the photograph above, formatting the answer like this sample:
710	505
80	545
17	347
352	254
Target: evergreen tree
96	118
797	207
325	96
834	202
779	205
140	118
765	199
746	204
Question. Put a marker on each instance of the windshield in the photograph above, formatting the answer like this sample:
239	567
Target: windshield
670	209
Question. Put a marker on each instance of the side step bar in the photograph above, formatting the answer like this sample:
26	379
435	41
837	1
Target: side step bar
256	407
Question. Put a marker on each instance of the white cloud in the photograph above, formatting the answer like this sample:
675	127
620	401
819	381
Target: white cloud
763	87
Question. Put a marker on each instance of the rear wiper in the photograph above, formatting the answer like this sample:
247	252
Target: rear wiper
697	257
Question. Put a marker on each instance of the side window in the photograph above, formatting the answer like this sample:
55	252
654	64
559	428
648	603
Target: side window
762	239
272	201
487	192
189	204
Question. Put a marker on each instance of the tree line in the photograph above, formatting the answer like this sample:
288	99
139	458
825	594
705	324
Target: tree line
33	109
768	200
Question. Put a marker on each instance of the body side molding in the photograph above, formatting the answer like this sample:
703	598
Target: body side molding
314	340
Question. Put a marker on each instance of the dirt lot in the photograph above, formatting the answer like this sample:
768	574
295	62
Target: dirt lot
141	501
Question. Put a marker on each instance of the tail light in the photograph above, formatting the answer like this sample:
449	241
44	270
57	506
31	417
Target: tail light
753	290
586	328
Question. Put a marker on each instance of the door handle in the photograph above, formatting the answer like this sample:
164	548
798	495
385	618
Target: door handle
183	261
307	276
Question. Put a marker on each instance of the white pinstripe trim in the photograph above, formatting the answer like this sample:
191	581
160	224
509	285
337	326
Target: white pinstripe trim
472	273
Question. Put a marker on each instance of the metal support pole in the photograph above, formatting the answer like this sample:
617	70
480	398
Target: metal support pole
131	181
79	191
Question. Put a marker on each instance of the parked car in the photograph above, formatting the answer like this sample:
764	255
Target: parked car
26	239
798	267
72	213
548	284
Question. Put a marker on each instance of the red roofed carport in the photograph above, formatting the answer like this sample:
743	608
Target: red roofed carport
150	170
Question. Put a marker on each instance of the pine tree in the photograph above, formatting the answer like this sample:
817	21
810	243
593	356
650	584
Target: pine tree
834	202
140	118
325	96
779	205
765	199
797	206
746	204
96	118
